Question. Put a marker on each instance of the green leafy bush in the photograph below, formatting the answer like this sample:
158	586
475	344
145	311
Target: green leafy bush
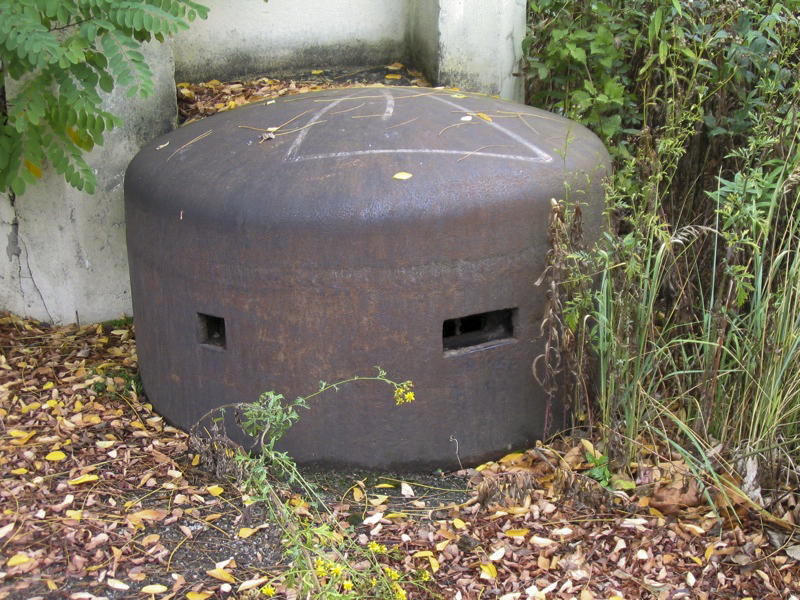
63	55
695	322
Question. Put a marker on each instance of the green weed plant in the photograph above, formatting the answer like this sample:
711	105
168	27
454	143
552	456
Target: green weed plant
324	560
690	306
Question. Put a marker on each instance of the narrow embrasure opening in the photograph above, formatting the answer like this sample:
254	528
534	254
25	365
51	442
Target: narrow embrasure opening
474	330
211	330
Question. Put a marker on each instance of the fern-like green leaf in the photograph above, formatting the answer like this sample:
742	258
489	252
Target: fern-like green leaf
64	53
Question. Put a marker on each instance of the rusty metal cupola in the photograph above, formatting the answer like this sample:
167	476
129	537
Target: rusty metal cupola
273	246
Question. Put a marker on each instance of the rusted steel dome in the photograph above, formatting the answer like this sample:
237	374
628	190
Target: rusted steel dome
276	245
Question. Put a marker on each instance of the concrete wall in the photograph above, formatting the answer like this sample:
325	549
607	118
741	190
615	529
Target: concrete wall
65	258
248	37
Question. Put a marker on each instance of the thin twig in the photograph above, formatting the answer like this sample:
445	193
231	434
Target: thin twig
457	125
483	148
403	123
190	142
338	112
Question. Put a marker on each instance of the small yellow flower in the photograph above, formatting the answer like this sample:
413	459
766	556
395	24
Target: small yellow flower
403	393
268	591
392	573
336	570
347	585
399	592
377	548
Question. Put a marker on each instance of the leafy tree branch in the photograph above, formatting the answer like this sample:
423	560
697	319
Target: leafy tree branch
62	55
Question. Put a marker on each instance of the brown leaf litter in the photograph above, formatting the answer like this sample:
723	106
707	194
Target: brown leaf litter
100	499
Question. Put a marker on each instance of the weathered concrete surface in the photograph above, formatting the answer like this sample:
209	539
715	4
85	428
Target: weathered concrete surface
480	46
64	256
253	37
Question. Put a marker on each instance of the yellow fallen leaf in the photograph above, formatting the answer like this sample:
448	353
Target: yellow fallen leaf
146	515
117	584
82	479
394	76
55	456
422	554
48	385
18	559
74	514
384	485
199	595
511	457
459	524
246	532
195	460
488	571
155	588
358	495
458	95
516	532
21	437
20	471
590	449
396	515
395	66
484	116
434	564
215	490
150	539
222	575
213	82
104	444
251	583
692	528
317	72
402	175
378	500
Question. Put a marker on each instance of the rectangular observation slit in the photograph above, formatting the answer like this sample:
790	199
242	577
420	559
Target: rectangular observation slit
211	330
479	329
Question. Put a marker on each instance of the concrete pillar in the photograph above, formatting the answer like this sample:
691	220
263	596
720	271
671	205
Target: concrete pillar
480	46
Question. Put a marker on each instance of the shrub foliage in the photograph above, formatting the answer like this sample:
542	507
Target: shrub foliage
62	56
696	322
